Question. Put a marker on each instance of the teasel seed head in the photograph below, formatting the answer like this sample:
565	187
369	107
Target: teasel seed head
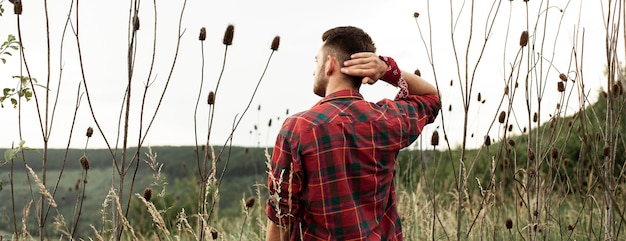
418	72
434	139
531	155
561	87
147	194
554	153
511	142
17	6
214	234
202	36
89	132
250	203
502	117
228	35
211	98
570	227
617	90
508	223
84	162
135	23
530	172
275	43
416	14
523	40
487	140
563	77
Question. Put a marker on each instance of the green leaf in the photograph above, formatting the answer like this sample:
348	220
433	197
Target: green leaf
8	53
14	102
4	61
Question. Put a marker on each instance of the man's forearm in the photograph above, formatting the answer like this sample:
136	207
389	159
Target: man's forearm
417	85
274	232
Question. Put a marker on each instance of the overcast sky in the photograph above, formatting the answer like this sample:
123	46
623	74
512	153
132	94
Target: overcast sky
287	84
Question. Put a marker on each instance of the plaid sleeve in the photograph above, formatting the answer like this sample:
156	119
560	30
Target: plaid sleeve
284	182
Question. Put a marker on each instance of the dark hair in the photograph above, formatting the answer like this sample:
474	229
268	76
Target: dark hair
345	41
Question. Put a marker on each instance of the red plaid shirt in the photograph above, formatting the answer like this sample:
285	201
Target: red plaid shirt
332	168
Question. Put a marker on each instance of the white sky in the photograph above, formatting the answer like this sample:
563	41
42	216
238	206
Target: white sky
288	81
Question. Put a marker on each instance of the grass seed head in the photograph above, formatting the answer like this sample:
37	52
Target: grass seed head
228	35
523	39
84	162
275	43
202	36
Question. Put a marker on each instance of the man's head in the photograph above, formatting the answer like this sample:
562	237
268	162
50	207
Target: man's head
339	44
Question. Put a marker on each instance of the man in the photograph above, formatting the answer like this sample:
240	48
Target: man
332	168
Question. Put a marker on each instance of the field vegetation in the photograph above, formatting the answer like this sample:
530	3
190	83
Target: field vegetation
531	178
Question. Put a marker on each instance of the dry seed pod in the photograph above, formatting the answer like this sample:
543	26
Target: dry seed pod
416	14
250	202
84	162
89	131
434	140
523	40
211	98
228	35
480	98
418	72
147	194
202	36
563	77
531	155
487	140
509	223
606	151
530	172
502	117
511	142
214	234
275	43
554	153
561	87
136	23
535	117
17	6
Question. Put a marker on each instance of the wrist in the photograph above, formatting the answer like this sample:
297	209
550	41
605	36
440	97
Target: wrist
393	73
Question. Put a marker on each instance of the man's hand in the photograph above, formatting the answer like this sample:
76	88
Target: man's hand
367	65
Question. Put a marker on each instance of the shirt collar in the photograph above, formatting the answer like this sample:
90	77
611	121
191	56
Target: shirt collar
342	94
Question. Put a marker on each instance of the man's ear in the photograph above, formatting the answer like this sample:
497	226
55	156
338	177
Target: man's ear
331	65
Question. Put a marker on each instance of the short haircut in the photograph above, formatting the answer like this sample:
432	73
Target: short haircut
344	41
